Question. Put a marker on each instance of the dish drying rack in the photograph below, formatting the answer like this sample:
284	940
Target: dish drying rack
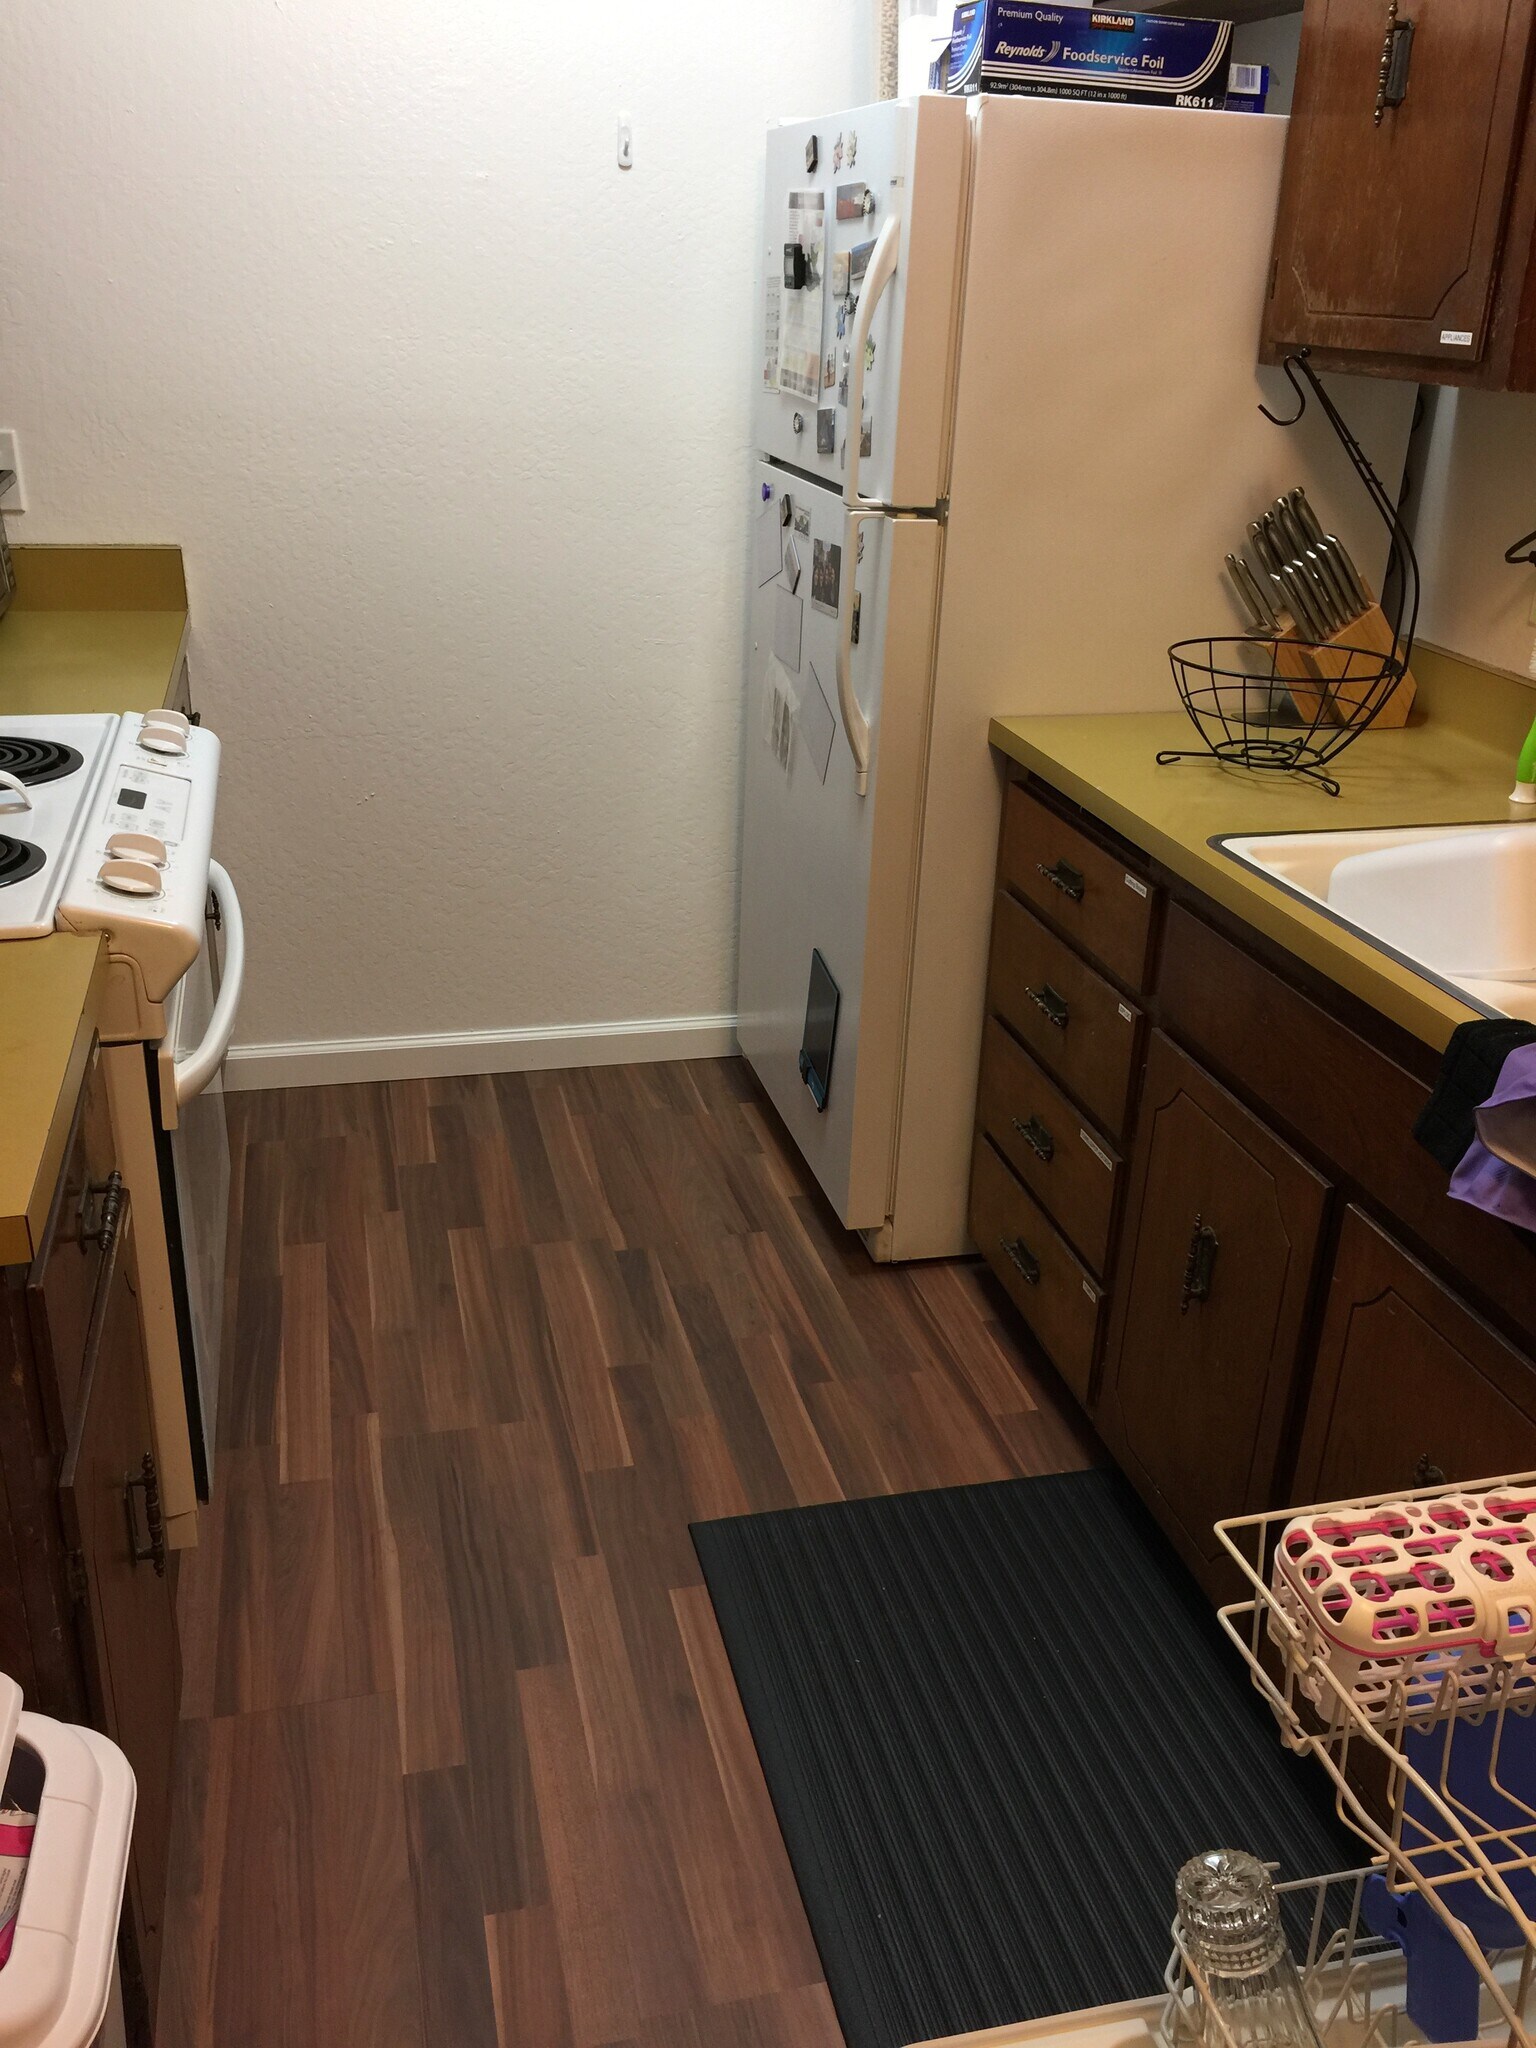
1394	1640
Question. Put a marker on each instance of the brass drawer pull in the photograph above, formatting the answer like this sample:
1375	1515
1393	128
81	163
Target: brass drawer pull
1055	1006
1063	876
151	1549
1199	1265
1036	1137
1023	1260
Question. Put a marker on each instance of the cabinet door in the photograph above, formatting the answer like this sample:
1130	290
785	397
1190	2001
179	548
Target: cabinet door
111	1516
1389	231
1222	1240
1410	1385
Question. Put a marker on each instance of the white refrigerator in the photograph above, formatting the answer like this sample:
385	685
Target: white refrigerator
1045	316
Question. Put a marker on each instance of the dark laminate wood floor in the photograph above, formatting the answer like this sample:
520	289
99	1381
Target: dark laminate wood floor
462	1762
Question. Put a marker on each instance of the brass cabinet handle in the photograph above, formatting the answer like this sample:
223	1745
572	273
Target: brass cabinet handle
1199	1265
1396	56
151	1549
1063	876
109	1217
1022	1259
1047	999
1036	1137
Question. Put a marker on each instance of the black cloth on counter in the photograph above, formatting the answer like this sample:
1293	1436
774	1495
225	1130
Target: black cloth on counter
1469	1073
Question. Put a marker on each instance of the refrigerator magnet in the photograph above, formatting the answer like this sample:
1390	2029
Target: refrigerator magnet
851	202
826	431
851	155
826	576
792	566
829	370
837	154
802	522
842	271
788	618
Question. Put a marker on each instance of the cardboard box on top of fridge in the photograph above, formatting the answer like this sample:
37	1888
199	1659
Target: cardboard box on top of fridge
1085	53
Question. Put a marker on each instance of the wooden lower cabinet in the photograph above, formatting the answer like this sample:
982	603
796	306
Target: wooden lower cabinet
1409	1385
109	1495
1215	1274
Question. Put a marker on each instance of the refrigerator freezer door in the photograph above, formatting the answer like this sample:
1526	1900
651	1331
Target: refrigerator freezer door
908	163
825	870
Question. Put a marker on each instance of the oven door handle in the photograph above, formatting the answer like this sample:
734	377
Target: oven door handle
198	1068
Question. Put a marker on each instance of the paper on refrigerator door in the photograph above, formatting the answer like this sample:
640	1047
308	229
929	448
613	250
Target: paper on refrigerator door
788	621
818	727
767	545
800	311
773	290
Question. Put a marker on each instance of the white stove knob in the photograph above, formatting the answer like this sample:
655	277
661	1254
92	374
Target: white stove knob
130	877
162	739
138	846
176	721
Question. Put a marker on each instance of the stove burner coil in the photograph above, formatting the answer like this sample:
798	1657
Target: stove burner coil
19	858
37	760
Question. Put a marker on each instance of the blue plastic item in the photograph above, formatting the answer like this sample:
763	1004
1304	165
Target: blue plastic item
1443	1987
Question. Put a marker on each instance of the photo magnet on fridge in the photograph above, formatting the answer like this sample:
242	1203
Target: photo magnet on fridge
826	575
826	431
802	522
792	566
851	202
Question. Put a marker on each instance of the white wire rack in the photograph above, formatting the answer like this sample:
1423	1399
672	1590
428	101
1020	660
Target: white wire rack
1431	1752
1353	1979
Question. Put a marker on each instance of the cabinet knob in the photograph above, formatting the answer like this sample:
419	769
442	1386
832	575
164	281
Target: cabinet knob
1427	1472
1054	1005
1022	1260
150	1549
1063	876
1036	1137
1199	1265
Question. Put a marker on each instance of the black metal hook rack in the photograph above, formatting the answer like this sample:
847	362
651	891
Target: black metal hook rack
1243	698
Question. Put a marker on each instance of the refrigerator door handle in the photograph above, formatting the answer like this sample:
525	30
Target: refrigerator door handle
855	724
882	268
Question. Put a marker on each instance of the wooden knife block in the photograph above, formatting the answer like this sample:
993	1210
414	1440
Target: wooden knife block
1302	662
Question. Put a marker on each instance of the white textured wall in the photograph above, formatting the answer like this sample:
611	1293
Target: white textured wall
1477	497
450	416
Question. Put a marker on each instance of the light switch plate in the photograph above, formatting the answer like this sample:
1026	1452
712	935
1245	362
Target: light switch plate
15	499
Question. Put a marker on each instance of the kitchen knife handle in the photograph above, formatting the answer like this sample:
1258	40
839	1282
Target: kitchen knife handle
1063	876
1054	1006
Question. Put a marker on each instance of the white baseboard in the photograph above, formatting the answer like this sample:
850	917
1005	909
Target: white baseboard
317	1063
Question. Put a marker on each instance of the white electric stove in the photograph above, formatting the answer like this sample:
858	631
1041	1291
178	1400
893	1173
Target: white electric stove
106	825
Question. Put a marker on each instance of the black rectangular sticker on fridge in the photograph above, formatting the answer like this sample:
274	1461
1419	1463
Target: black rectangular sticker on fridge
826	576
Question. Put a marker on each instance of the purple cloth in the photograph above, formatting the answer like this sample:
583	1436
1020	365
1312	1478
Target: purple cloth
1489	1176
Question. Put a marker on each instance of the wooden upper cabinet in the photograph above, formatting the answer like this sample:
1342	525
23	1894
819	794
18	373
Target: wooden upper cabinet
1391	232
1215	1278
1410	1385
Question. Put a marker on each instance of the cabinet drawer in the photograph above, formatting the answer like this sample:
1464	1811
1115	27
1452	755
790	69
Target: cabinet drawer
1069	1016
1057	1295
1070	1168
1104	907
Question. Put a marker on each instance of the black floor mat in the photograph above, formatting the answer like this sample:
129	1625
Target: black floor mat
987	1770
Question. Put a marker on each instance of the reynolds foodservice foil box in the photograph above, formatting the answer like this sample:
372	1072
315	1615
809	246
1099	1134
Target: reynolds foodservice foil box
1247	88
1085	53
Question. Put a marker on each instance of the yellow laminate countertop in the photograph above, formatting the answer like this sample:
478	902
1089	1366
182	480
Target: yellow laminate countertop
1456	767
90	629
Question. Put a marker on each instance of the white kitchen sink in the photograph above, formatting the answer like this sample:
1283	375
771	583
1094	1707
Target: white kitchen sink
1456	901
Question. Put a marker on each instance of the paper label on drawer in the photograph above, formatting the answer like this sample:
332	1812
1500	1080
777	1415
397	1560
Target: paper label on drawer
1098	1151
1126	1012
1135	882
1455	337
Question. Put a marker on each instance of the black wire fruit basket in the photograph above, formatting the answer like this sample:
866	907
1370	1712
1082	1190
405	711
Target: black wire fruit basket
1280	703
1287	703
